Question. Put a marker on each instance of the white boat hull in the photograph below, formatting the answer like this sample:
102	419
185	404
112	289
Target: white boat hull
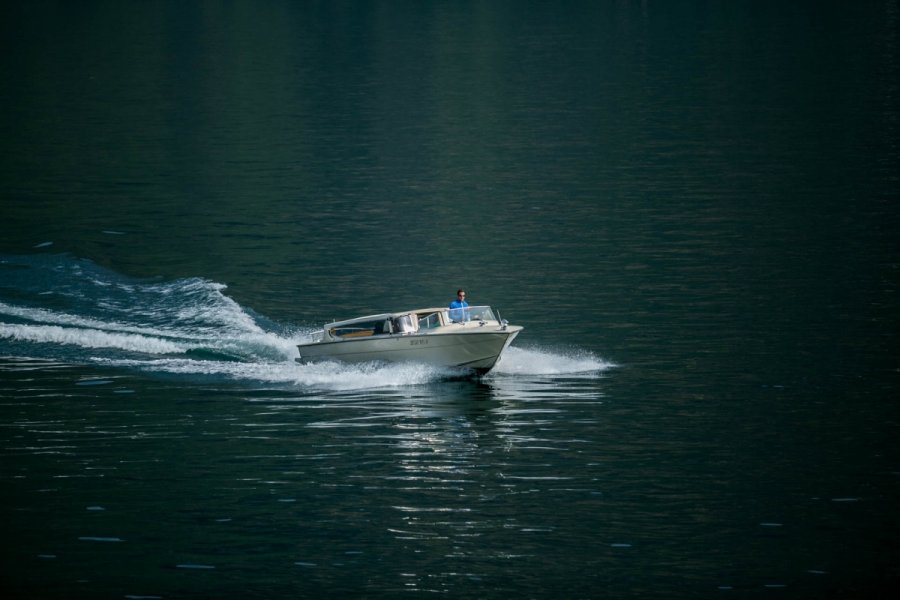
476	348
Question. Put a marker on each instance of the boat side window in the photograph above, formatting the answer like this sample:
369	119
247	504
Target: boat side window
362	329
429	321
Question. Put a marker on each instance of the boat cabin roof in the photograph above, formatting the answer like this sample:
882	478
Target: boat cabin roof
383	316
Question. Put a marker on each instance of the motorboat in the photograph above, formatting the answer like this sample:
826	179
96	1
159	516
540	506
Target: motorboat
472	337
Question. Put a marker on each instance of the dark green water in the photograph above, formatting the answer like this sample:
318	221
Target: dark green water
690	206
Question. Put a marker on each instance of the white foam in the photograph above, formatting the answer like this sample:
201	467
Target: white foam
517	363
324	375
90	338
531	361
240	341
44	316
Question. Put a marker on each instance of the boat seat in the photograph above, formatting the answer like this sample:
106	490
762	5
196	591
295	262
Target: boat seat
355	334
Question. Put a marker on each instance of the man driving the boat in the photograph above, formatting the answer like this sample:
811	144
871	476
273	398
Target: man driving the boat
458	312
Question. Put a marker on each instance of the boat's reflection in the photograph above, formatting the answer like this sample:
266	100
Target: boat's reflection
437	424
456	416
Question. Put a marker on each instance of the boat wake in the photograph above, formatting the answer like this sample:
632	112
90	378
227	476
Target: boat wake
62	309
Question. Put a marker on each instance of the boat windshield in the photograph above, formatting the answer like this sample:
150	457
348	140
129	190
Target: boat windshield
471	313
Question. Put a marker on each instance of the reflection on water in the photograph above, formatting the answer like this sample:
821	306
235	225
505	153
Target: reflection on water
445	469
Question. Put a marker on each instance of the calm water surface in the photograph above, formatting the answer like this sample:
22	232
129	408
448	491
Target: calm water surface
691	207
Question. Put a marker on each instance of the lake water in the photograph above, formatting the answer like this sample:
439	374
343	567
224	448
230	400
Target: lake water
691	207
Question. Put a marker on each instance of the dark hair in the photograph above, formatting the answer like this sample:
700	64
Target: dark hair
460	291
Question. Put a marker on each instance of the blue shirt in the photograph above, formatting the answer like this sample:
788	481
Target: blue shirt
456	310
